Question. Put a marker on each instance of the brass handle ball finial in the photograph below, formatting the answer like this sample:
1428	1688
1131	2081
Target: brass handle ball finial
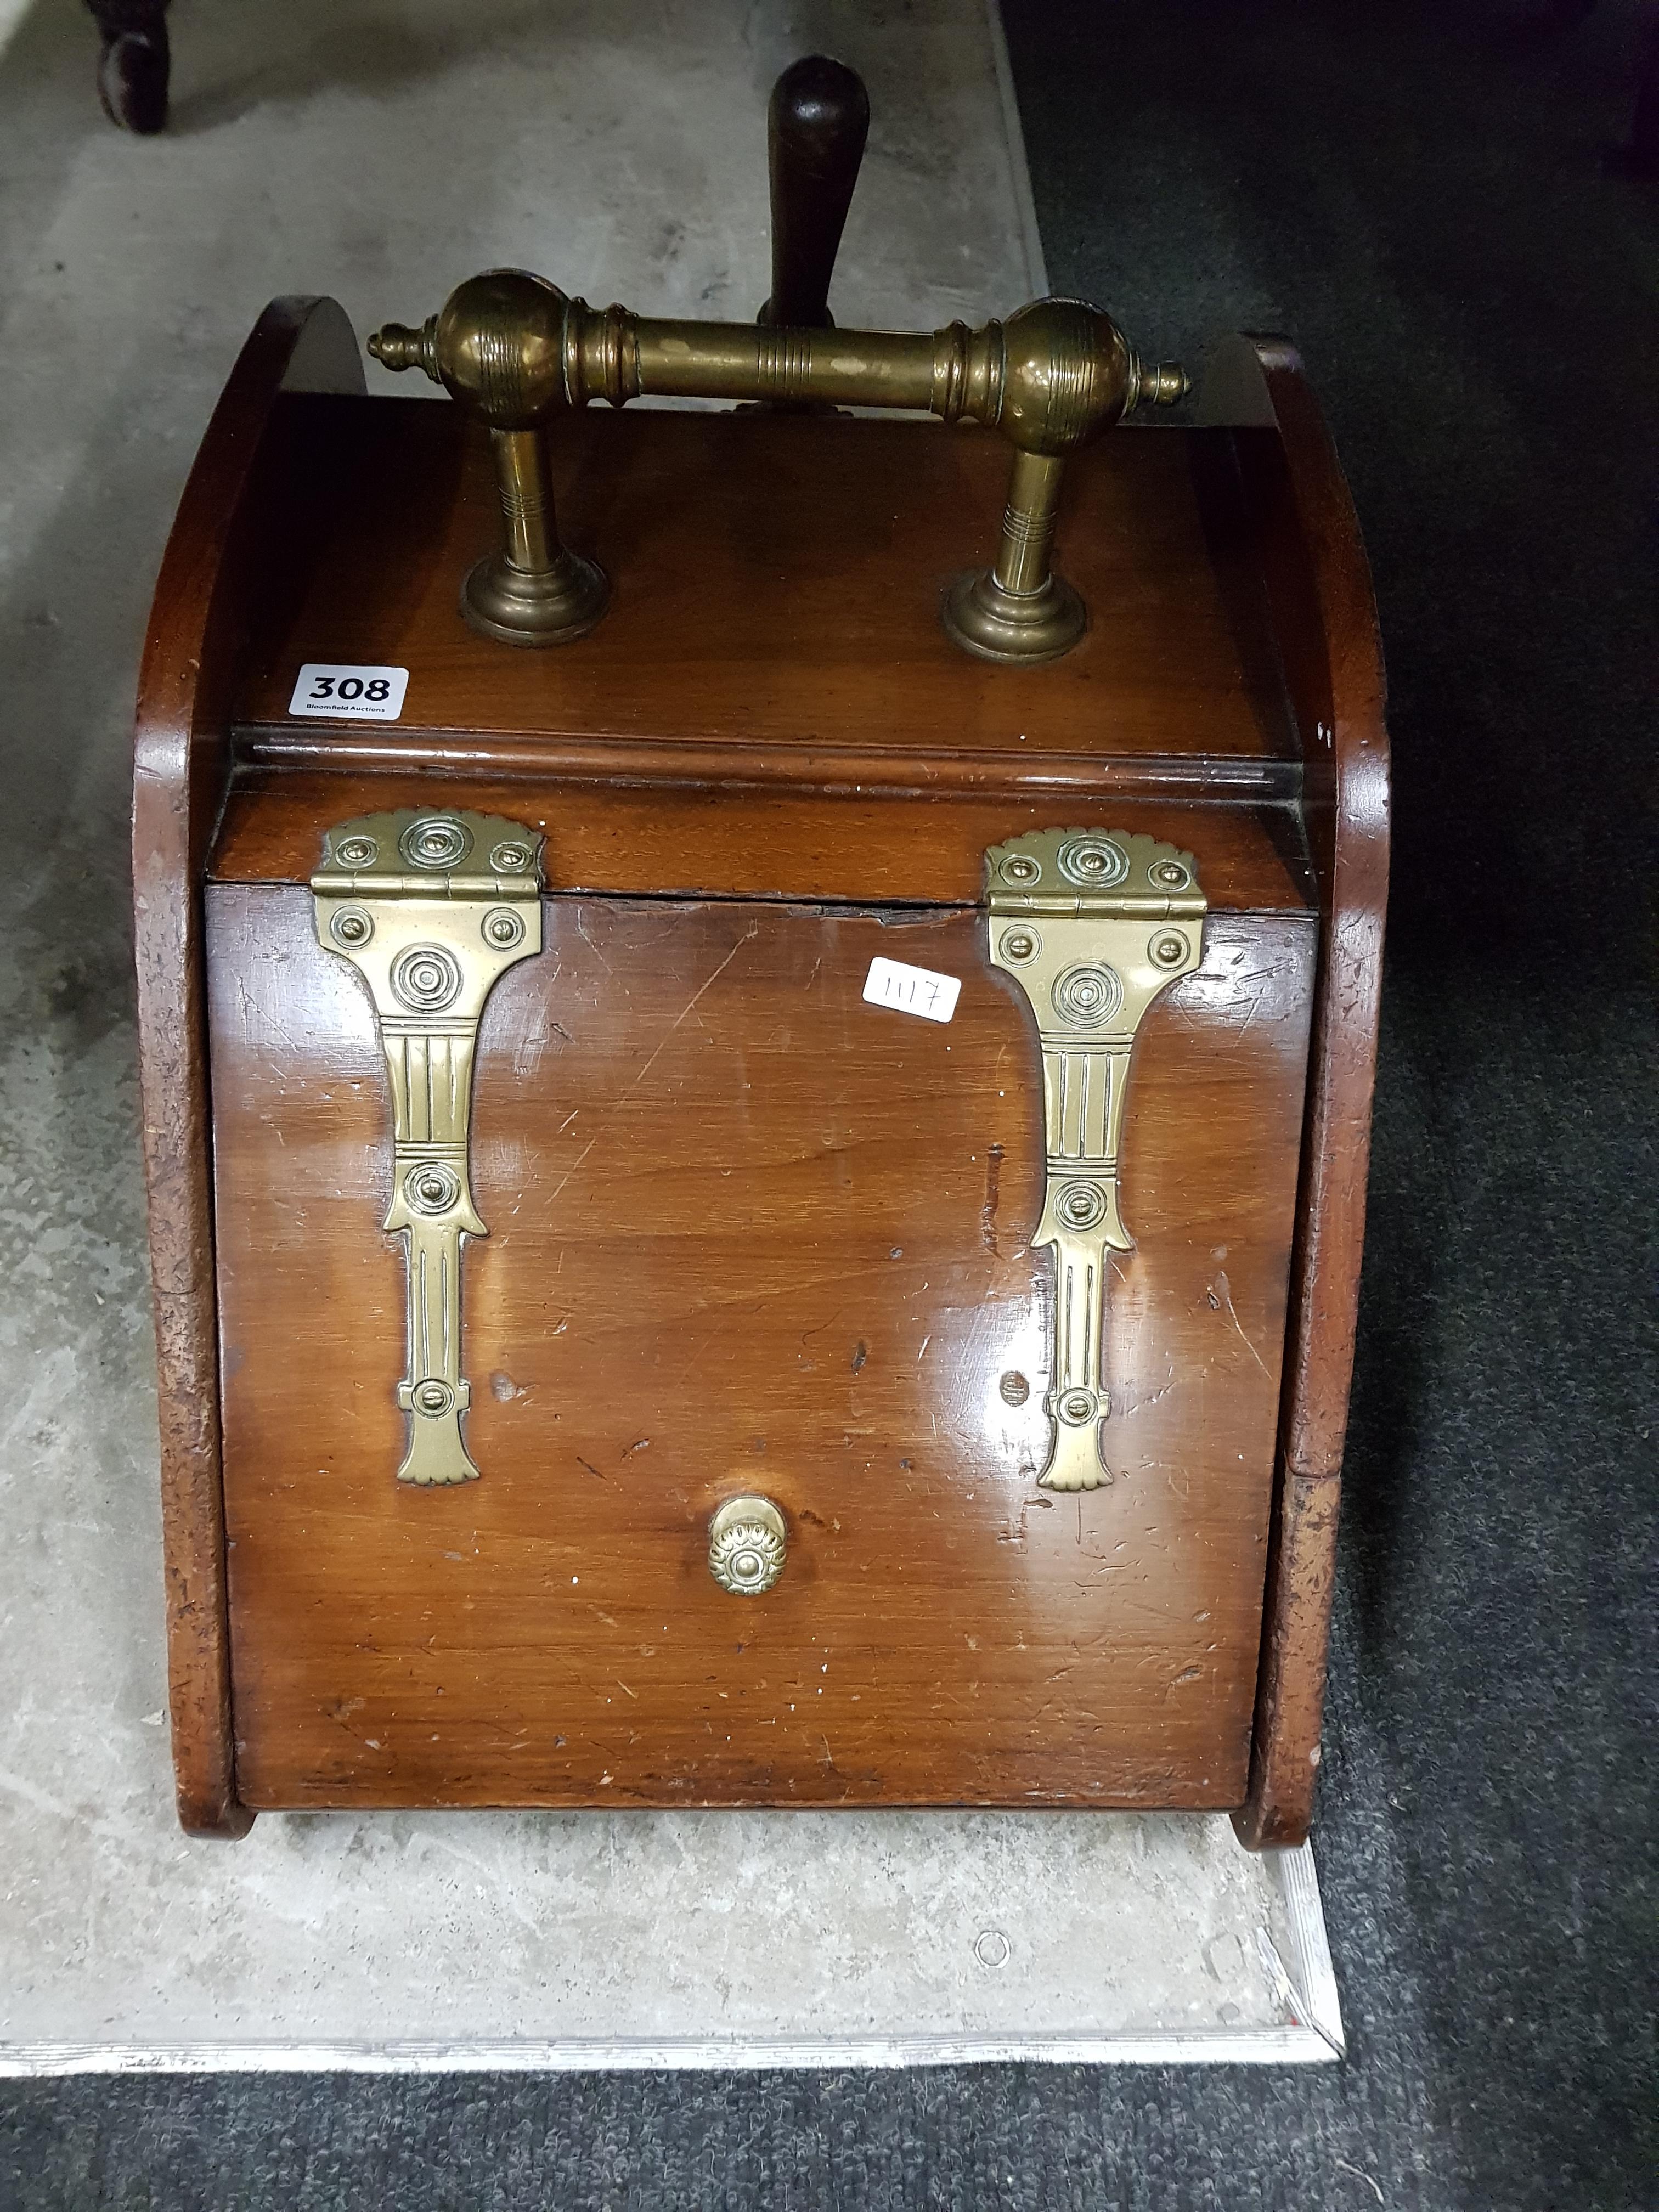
516	350
496	344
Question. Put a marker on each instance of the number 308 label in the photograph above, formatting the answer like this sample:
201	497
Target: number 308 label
341	693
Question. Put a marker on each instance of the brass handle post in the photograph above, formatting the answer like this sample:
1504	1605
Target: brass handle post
1019	609
497	346
536	590
512	347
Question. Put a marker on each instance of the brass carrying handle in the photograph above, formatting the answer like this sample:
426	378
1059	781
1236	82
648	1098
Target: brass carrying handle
517	351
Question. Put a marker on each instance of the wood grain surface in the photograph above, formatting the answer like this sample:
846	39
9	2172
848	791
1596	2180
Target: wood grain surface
881	849
230	525
1324	615
747	1233
768	734
777	591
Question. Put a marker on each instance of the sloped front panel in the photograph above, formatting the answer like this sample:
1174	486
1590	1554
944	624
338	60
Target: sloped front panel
747	1234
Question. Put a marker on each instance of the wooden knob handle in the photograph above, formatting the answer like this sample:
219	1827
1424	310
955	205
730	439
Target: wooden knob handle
816	127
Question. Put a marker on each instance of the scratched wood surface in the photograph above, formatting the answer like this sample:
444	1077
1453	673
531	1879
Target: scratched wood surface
232	526
747	1233
1325	617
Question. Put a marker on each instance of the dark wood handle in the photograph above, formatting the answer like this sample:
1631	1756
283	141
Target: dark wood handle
816	127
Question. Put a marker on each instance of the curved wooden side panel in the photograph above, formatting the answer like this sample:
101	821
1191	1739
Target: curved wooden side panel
210	574
1319	584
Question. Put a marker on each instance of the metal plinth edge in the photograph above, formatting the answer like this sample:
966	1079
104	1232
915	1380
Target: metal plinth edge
1312	2037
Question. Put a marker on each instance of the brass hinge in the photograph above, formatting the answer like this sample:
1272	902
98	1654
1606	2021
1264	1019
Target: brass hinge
430	908
1093	925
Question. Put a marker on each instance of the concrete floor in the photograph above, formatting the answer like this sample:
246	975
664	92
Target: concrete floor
381	153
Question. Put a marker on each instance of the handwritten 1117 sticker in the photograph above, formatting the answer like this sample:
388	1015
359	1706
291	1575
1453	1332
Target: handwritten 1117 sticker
912	990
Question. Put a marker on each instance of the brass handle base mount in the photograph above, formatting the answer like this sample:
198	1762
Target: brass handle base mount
1026	628
528	606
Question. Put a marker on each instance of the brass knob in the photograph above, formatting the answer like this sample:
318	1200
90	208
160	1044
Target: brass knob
747	1541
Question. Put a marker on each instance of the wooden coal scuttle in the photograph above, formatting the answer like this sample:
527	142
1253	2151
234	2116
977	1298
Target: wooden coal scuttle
757	1096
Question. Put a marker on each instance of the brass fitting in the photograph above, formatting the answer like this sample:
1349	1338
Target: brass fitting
515	350
1067	375
497	345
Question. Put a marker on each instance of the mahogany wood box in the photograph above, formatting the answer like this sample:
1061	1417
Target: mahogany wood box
748	1233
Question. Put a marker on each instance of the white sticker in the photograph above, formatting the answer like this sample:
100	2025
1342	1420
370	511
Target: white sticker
343	693
912	990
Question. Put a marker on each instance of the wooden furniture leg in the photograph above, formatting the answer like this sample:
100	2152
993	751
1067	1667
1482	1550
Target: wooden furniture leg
134	63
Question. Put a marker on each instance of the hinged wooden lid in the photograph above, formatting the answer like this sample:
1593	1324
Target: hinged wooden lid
774	619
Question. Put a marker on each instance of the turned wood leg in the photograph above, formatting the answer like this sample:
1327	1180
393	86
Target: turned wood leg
133	65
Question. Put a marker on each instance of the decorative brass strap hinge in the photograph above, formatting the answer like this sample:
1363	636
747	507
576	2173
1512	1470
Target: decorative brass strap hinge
1091	924
430	908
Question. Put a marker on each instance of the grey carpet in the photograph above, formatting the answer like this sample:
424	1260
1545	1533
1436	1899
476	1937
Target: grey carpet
1415	193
